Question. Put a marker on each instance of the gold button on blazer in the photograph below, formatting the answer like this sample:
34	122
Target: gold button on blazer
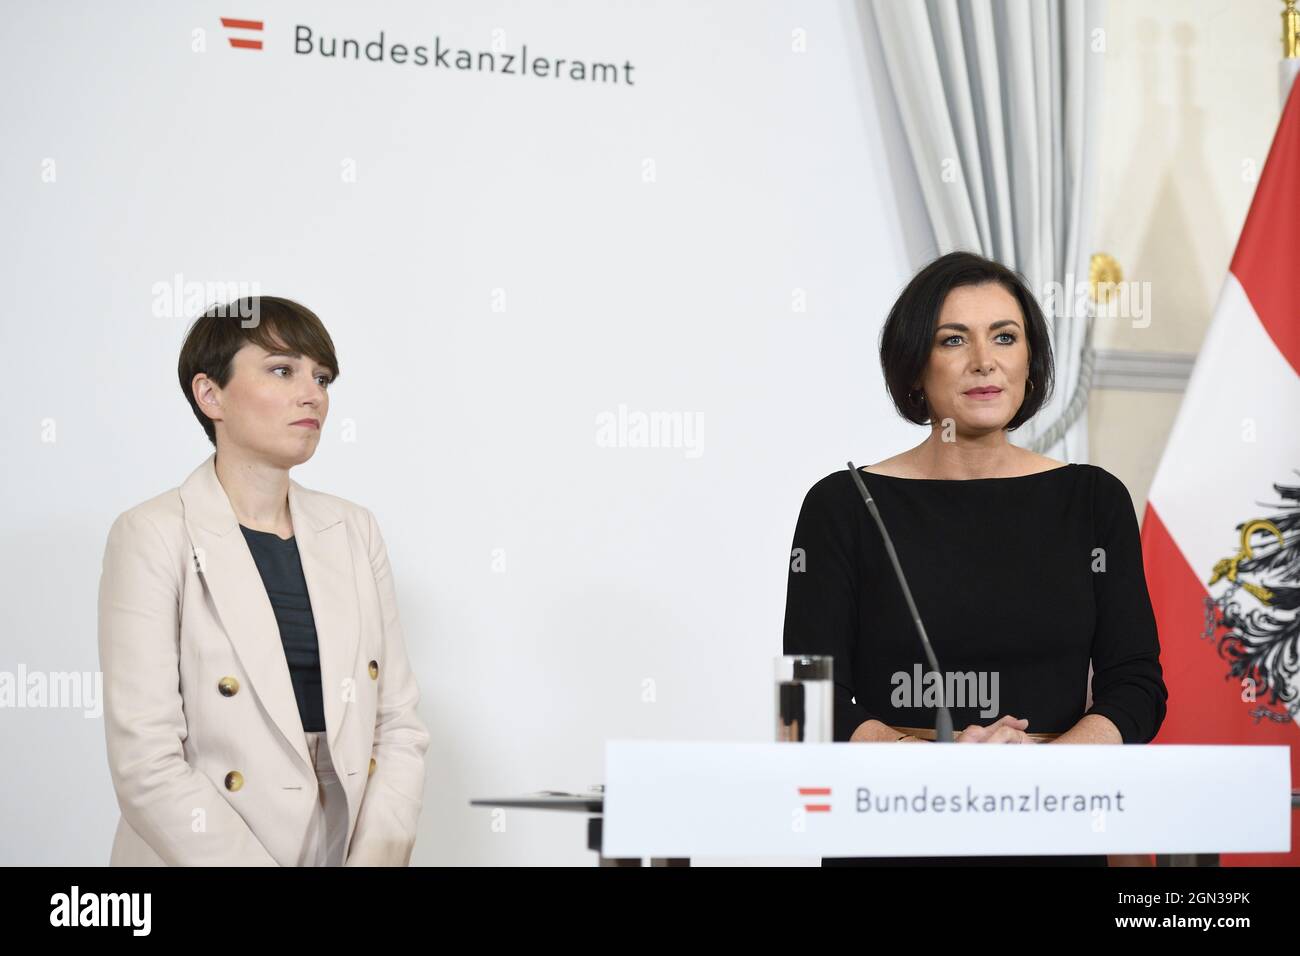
205	744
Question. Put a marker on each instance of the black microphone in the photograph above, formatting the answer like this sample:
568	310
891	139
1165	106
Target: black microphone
943	720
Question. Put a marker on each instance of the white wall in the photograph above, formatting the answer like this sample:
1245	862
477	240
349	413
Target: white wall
471	429
1191	105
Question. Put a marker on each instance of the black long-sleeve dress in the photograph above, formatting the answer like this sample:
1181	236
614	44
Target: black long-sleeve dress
1030	577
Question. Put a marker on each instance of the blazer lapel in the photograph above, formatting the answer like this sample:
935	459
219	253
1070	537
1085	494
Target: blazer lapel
239	595
327	564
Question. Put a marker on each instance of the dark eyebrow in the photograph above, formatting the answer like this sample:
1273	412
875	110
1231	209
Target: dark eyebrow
292	355
962	328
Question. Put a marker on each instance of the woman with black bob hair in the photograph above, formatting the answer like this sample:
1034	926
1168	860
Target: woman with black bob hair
1027	571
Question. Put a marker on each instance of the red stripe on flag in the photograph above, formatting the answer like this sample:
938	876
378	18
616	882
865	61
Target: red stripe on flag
1205	706
818	807
241	24
1264	262
246	44
814	791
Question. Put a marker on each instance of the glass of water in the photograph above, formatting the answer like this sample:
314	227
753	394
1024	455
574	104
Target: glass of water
804	699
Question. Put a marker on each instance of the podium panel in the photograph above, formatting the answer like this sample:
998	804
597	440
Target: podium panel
673	799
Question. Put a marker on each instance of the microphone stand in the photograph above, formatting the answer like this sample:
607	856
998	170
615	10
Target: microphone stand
943	720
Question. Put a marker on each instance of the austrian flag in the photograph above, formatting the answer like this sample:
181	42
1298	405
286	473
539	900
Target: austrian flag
1221	533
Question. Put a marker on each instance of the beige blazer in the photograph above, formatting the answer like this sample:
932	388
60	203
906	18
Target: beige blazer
205	745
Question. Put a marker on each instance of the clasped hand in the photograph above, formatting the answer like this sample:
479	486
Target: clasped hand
1006	730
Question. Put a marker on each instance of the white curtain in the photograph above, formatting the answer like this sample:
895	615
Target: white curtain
999	100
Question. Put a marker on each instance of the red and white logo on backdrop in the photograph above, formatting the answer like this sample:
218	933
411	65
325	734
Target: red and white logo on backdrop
241	28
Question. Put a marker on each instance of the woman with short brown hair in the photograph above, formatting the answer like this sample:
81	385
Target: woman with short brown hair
260	707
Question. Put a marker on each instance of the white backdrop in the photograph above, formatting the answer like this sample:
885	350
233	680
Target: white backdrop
501	260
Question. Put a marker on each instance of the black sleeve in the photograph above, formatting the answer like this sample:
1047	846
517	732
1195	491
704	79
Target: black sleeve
1127	683
821	596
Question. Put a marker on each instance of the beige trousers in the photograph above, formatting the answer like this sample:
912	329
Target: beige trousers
329	829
